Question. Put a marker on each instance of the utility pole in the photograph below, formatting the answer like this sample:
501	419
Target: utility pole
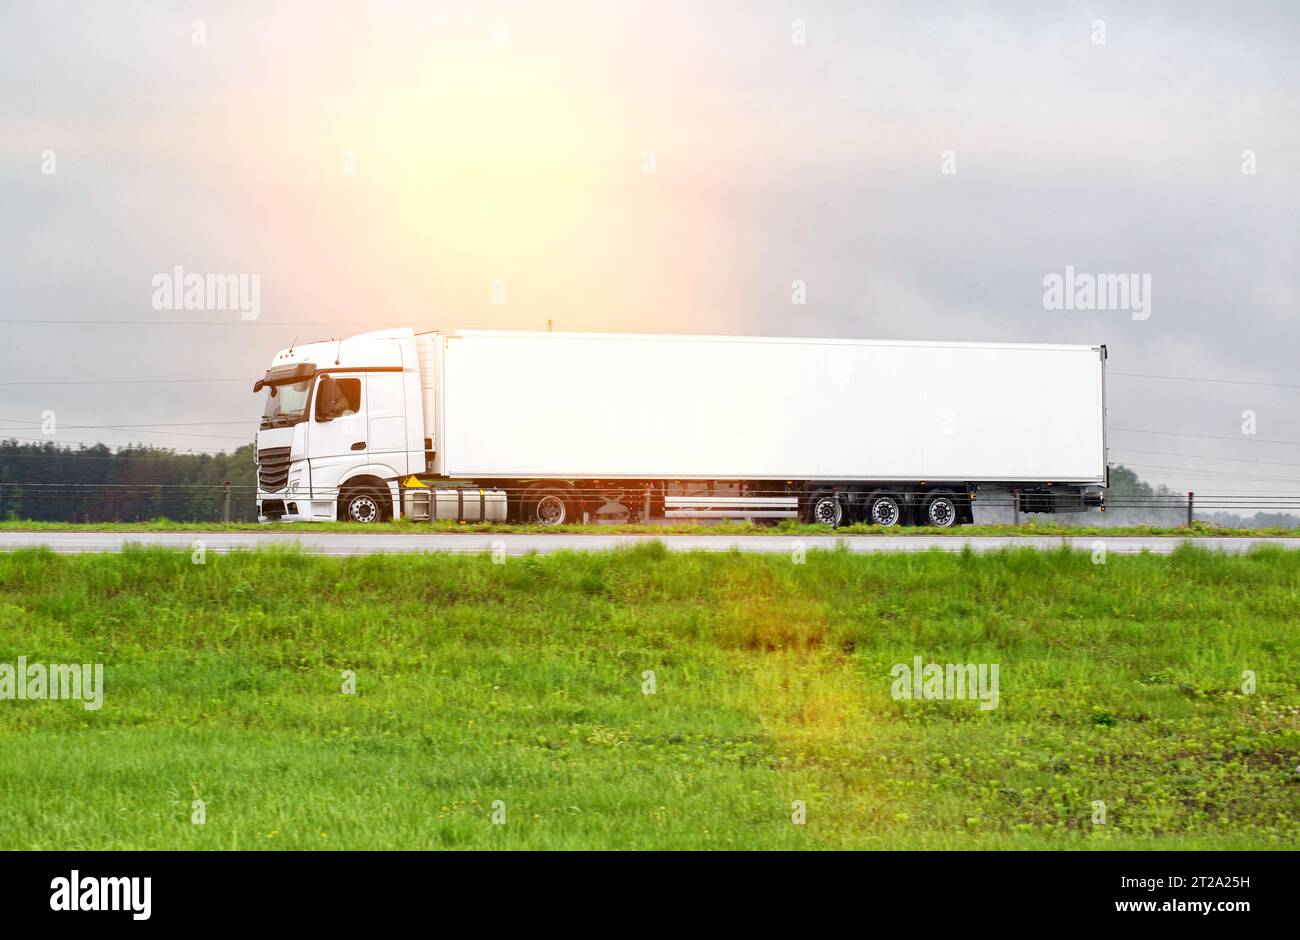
1191	499
225	510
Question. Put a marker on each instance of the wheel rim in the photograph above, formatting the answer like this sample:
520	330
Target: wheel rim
363	509
884	512
942	513
826	511
550	510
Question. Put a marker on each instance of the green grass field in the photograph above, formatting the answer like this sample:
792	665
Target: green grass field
523	682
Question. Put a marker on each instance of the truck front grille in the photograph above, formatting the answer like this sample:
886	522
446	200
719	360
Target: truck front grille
273	468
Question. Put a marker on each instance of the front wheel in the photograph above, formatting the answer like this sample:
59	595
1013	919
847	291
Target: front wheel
364	506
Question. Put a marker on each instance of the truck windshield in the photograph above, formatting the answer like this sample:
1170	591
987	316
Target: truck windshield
285	404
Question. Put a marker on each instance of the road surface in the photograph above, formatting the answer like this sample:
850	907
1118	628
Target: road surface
348	543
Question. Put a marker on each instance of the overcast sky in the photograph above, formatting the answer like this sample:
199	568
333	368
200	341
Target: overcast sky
384	164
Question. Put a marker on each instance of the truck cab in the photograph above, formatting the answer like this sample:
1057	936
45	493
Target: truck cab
341	424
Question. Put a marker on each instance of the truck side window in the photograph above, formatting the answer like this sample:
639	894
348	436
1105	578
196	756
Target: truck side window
337	398
350	390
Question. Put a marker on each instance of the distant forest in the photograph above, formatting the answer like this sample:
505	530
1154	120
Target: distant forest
50	482
1125	482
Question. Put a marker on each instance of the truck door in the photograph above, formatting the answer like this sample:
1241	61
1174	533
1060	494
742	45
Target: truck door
337	438
386	417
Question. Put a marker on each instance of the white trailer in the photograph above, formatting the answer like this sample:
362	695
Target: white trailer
551	427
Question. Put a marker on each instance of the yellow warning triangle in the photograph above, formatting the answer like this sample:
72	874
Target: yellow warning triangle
414	482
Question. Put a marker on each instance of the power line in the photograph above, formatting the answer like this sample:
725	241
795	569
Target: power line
1193	378
30	425
1216	437
129	431
127	489
32	422
162	323
538	325
126	382
1213	474
1169	453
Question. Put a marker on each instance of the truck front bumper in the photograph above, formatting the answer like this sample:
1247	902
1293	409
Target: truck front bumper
294	507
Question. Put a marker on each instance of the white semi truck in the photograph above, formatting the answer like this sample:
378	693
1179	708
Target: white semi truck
553	427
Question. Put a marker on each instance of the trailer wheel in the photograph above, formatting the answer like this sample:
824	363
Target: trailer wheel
884	509
365	506
825	508
941	510
547	507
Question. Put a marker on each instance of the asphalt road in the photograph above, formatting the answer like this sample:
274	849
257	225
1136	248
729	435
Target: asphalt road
347	543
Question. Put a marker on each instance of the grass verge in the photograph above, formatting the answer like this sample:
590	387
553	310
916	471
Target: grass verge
524	682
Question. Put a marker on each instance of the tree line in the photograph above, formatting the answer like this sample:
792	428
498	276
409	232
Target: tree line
53	482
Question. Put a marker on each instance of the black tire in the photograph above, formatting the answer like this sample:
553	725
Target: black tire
824	508
366	506
548	506
884	509
941	509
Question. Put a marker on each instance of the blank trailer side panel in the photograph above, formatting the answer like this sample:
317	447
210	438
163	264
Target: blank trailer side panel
598	405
